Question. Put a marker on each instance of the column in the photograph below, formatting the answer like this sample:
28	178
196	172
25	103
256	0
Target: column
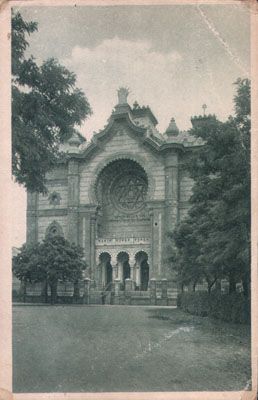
92	254
103	274
86	291
153	291
87	236
32	218
171	190
132	269
73	200
164	290
128	285
131	263
120	270
114	268
138	273
117	289
98	273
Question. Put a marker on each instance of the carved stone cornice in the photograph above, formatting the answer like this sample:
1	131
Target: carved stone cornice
88	208
72	208
154	204
32	213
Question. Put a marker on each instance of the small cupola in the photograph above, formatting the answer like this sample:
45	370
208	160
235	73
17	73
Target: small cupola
74	143
172	129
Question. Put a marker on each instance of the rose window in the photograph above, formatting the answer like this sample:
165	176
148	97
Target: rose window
128	192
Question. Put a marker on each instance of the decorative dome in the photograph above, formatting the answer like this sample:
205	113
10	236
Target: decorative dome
172	128
74	140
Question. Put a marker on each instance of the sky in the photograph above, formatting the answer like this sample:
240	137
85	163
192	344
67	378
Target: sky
173	58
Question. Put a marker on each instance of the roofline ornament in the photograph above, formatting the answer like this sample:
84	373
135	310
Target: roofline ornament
123	93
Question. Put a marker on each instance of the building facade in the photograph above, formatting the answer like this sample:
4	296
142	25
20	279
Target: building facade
118	196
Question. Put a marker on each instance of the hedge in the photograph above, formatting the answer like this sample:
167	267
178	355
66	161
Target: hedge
226	307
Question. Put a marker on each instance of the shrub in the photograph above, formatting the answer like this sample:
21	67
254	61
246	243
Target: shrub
195	303
226	307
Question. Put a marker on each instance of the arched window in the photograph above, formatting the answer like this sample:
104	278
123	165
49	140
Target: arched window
54	229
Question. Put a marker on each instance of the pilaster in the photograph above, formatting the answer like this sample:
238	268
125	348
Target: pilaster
171	190
92	243
87	221
157	210
73	201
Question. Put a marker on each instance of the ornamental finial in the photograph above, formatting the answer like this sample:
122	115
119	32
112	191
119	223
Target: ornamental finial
204	106
122	95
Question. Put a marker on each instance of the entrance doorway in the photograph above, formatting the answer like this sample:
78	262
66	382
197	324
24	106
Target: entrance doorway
123	266
144	275
106	270
126	270
142	268
108	273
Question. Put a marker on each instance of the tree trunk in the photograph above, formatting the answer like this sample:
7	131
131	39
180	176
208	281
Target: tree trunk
232	283
218	285
194	286
211	284
44	293
246	286
53	288
23	290
76	291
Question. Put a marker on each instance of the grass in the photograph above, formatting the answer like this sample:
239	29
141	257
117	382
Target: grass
106	349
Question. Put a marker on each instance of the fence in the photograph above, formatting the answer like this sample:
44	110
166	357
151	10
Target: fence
159	292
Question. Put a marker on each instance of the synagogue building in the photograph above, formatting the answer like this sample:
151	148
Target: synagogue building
118	196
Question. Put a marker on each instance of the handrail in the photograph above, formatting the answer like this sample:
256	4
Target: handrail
106	288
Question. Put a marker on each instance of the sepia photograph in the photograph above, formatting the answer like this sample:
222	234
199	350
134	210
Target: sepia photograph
130	217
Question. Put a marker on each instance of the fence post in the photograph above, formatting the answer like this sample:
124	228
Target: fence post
164	290
153	299
86	291
117	289
128	290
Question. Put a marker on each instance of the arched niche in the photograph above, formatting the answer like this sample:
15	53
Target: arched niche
121	191
54	229
141	258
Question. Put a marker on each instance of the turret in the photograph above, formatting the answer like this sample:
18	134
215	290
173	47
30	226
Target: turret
172	129
74	143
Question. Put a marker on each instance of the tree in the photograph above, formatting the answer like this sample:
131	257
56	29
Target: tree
218	223
52	260
46	109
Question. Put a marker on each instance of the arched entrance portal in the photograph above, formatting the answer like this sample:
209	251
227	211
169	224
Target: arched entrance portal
144	275
105	269
123	266
142	270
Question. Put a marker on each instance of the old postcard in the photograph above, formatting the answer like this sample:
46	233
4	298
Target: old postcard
129	226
